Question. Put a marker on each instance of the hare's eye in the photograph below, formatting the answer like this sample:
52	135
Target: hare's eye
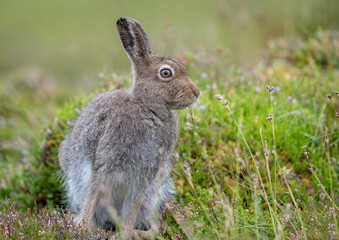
166	73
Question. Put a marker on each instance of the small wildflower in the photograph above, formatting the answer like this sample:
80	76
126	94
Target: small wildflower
294	101
24	160
289	98
204	75
269	117
71	124
304	147
270	89
277	89
275	103
219	97
202	107
329	96
78	110
49	131
336	93
208	86
298	200
306	153
225	103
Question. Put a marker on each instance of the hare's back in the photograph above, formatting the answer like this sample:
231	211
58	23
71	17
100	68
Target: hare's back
98	118
115	127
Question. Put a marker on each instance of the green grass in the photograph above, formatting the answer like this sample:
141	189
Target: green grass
238	174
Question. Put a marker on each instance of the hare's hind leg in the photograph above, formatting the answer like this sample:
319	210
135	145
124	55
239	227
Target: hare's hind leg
129	214
91	203
150	213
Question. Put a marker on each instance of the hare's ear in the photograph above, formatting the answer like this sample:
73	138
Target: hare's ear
133	39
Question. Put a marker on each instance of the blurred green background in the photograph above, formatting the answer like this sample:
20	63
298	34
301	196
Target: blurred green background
52	51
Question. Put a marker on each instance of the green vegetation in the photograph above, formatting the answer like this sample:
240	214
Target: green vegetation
257	160
240	172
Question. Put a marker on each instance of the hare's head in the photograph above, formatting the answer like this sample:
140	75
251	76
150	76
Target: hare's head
156	79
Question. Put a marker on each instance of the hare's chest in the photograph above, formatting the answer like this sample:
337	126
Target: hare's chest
167	134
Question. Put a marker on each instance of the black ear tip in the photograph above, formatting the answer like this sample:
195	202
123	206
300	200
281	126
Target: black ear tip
122	21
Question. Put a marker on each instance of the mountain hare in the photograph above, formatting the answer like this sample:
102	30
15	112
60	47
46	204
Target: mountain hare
117	159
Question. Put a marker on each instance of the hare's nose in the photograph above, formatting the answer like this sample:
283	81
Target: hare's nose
196	91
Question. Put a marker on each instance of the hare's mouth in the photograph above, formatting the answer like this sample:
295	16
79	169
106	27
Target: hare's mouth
180	107
183	107
183	103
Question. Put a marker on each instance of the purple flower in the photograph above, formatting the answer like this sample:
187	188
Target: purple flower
49	131
289	98
24	160
204	75
202	107
78	110
71	124
298	200
208	86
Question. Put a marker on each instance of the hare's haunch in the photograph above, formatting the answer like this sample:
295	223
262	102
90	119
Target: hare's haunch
117	160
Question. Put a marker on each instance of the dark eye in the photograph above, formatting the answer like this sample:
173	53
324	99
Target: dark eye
166	73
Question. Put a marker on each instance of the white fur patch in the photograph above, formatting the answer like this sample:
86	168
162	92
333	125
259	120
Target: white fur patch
78	183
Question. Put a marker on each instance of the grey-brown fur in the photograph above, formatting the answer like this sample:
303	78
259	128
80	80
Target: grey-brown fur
118	155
